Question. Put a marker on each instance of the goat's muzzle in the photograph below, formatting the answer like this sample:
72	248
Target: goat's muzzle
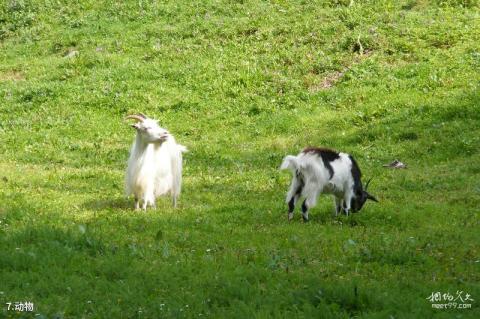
163	137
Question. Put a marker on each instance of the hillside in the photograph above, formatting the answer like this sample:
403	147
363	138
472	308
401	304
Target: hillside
241	84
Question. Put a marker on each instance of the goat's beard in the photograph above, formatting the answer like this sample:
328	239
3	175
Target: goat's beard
159	142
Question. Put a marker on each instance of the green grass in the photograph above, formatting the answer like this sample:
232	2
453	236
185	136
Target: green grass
241	84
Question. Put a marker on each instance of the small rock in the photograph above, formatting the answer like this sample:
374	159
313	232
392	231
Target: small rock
72	54
395	164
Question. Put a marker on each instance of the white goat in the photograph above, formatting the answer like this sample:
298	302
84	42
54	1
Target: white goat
155	163
317	170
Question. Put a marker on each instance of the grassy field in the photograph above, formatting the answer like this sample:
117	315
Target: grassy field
241	84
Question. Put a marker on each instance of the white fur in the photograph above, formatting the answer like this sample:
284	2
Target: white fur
316	179
154	166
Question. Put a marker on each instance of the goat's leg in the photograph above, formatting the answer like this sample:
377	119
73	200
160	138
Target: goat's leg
338	205
146	201
174	201
137	203
305	211
291	206
294	195
148	197
346	203
310	201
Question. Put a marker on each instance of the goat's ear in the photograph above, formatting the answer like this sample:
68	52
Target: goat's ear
370	197
366	185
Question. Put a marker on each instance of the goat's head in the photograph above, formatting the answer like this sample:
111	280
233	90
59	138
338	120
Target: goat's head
148	129
361	196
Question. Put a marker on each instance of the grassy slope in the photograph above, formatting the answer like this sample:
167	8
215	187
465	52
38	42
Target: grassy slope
241	83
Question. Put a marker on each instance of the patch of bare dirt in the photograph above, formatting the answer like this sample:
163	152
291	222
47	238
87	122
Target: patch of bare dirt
11	76
331	79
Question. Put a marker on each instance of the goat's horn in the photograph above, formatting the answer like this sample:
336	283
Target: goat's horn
142	115
366	185
135	117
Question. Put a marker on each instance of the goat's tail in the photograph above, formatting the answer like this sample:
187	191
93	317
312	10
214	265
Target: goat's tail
290	162
177	172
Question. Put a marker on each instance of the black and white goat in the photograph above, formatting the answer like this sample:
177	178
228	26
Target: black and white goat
320	170
155	163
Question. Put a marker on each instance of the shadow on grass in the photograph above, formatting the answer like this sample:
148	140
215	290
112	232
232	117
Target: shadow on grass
108	203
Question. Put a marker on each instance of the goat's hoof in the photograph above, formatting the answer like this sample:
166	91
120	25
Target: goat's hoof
290	216
305	220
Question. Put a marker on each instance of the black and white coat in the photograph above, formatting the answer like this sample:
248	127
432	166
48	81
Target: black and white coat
321	170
